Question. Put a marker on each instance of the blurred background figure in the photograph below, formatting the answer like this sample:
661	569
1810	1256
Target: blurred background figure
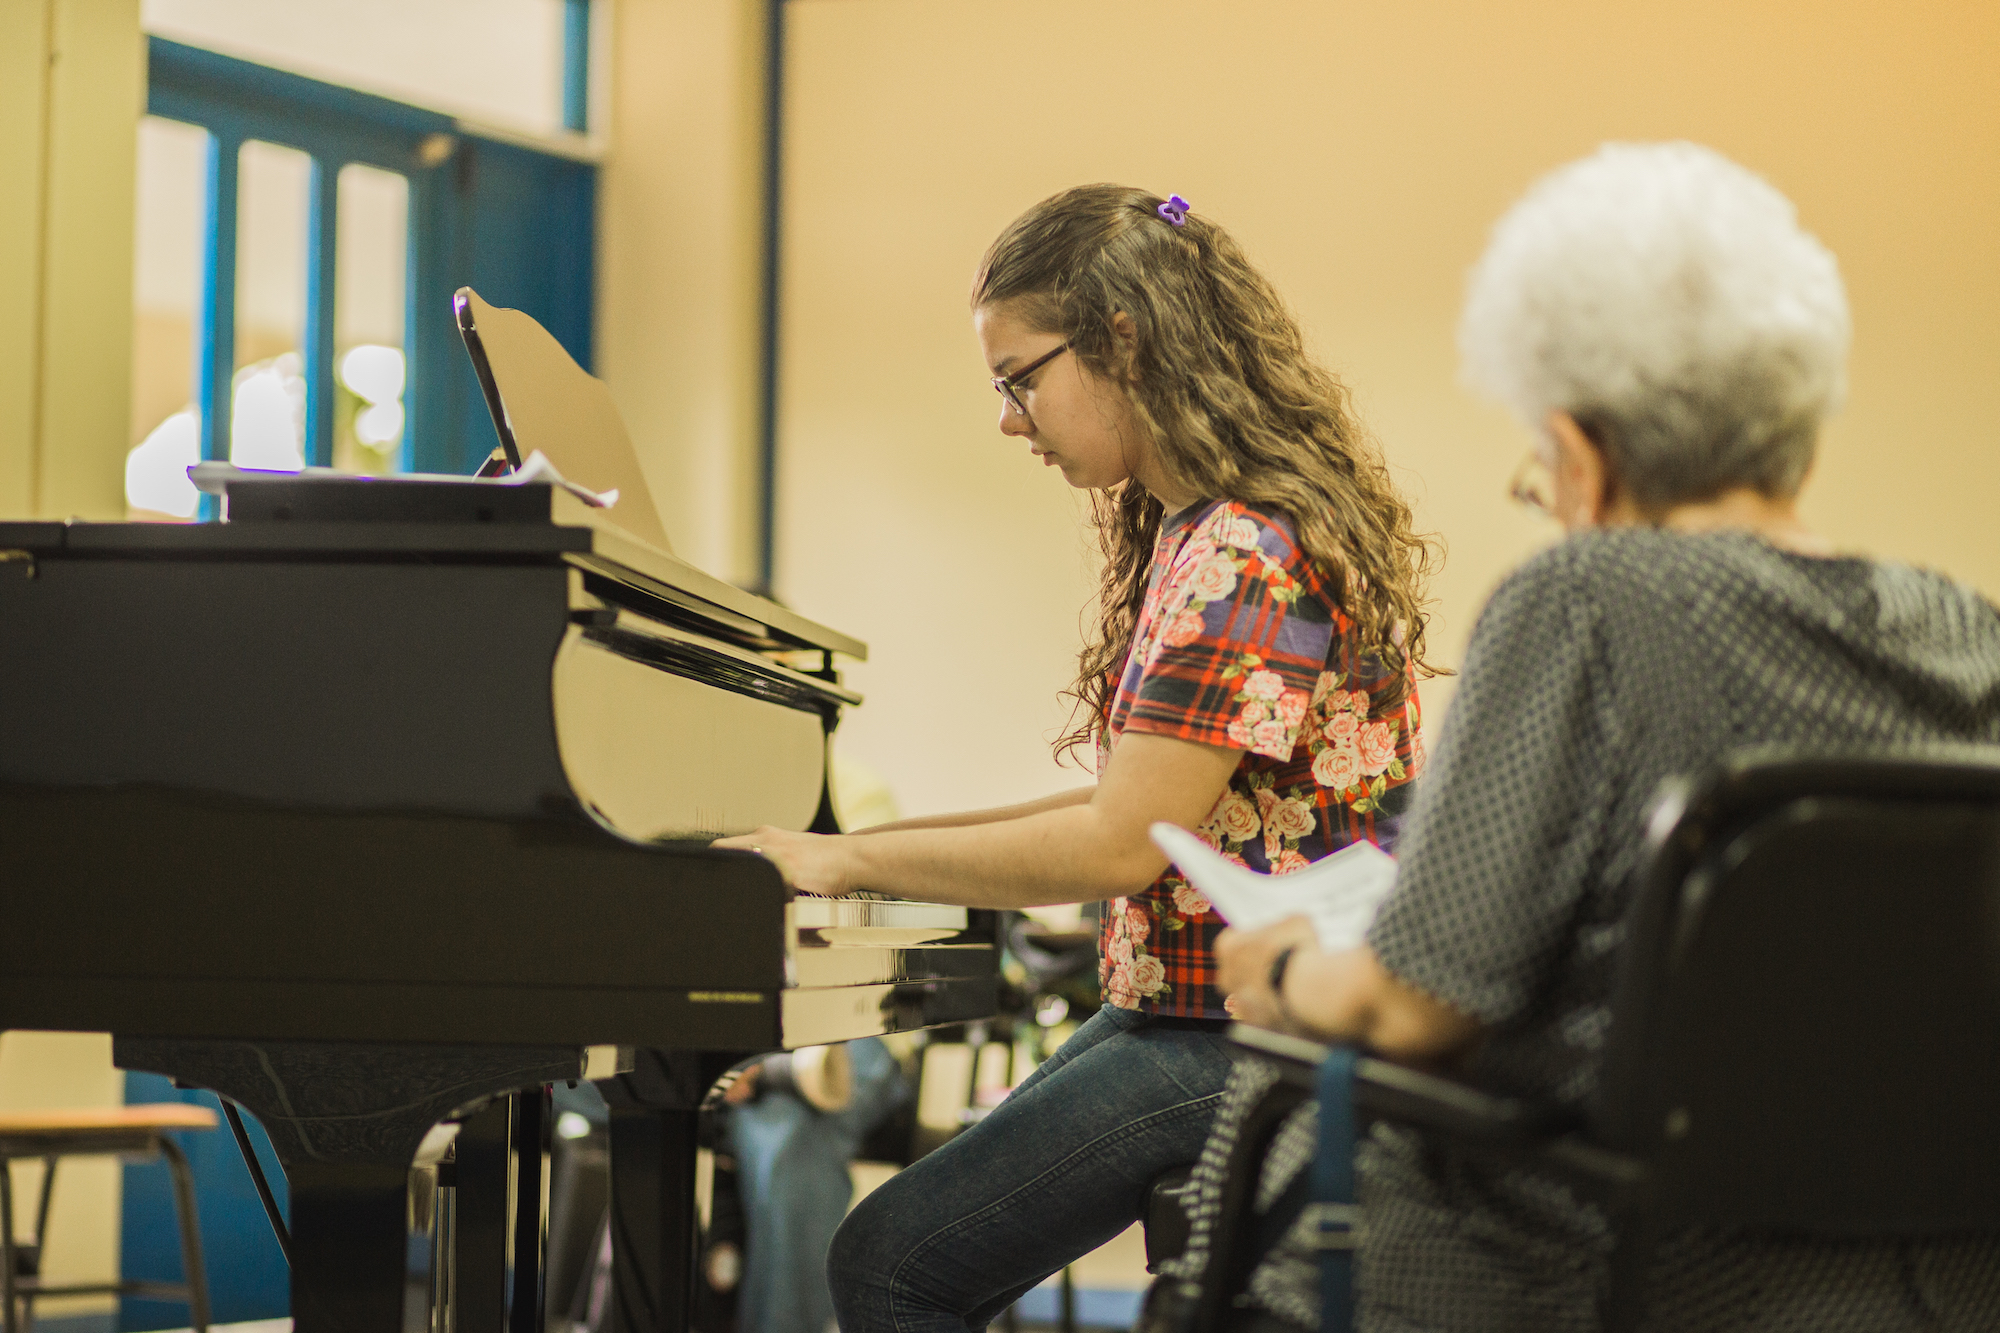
794	1123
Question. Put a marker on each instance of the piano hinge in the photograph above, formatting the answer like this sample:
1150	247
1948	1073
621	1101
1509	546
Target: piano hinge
24	561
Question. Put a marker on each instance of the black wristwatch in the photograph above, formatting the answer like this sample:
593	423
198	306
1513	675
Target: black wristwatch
1278	966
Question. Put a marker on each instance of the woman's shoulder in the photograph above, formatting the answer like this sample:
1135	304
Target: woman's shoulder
1645	562
1637	572
1653	575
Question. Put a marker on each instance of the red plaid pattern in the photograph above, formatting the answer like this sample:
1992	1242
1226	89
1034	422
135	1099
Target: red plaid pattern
1240	644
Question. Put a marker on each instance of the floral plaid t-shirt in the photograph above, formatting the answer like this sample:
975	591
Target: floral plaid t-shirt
1240	644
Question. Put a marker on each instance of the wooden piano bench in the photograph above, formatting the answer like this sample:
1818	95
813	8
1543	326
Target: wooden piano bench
130	1131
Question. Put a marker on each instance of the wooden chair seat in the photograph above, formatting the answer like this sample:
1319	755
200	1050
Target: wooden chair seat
140	1131
86	1120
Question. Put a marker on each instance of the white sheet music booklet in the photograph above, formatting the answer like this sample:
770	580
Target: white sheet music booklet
1338	893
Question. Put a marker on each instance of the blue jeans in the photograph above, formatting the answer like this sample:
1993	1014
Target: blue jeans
791	1164
1057	1169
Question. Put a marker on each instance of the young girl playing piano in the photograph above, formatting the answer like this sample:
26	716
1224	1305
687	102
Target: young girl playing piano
1251	676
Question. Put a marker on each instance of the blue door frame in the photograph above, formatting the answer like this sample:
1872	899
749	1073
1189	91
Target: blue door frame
517	223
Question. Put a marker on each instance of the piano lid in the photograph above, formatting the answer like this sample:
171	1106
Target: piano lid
344	517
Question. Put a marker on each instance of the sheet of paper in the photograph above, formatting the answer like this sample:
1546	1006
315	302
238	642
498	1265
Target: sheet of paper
537	467
1338	893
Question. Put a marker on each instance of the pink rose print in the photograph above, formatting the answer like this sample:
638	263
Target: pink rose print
1292	708
1235	859
1239	817
1337	766
1323	686
1118	987
1377	744
1290	863
1291	818
1267	685
1358	701
1271	738
1255	711
1236	530
1189	902
1199	548
1418	755
1148	975
1239	735
1119	950
1215	579
1342	726
1209	837
1139	921
1185	629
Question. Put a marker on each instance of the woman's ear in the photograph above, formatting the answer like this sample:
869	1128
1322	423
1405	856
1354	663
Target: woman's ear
1125	334
1586	488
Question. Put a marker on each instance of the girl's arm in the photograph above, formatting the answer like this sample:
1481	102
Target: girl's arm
1080	851
967	819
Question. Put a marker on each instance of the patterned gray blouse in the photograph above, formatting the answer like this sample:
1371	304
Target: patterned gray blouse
1603	666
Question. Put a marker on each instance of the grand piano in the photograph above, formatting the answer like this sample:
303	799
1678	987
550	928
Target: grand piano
385	804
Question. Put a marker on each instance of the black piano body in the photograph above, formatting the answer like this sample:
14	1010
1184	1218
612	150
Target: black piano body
386	799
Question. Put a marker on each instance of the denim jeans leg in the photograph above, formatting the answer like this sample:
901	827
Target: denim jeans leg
1057	1169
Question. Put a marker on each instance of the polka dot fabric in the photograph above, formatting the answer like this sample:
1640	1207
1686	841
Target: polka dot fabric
1599	669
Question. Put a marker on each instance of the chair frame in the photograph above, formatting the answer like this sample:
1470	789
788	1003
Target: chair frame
19	1289
1626	1153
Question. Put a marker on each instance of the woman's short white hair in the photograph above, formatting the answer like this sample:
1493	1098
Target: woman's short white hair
1669	301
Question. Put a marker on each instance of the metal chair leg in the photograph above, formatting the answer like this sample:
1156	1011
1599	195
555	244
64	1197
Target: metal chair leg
190	1227
42	1206
9	1261
41	1238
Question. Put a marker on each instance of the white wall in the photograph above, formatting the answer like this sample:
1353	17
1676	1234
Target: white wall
1360	152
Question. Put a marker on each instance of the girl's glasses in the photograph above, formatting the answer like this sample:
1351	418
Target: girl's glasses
1533	486
1008	386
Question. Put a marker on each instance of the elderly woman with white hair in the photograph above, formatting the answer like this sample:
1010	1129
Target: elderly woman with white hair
1658	318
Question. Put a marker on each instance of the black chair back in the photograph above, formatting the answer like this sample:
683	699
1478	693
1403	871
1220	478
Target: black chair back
1807	1015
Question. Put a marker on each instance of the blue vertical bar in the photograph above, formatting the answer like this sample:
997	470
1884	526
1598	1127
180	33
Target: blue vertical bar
440	251
774	179
215	358
322	237
576	65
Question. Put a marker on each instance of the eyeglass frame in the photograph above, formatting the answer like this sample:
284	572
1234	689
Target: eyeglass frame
1006	385
1521	488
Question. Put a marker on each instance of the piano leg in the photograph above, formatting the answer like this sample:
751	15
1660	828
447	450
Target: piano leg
348	1249
530	1135
479	1288
655	1111
652	1219
485	1298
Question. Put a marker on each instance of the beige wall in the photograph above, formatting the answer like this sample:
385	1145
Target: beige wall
72	80
1360	152
71	85
678	277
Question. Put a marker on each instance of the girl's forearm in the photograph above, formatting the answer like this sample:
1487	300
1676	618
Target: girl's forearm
998	814
1061	853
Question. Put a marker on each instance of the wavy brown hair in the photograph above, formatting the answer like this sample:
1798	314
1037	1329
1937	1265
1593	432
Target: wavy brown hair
1221	384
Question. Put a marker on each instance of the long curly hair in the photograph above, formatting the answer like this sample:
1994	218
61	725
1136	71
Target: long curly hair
1221	385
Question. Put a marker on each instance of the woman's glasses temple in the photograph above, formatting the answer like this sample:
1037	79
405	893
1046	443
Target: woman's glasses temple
1005	385
1532	487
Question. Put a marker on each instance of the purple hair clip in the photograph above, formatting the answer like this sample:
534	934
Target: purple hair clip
1175	210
